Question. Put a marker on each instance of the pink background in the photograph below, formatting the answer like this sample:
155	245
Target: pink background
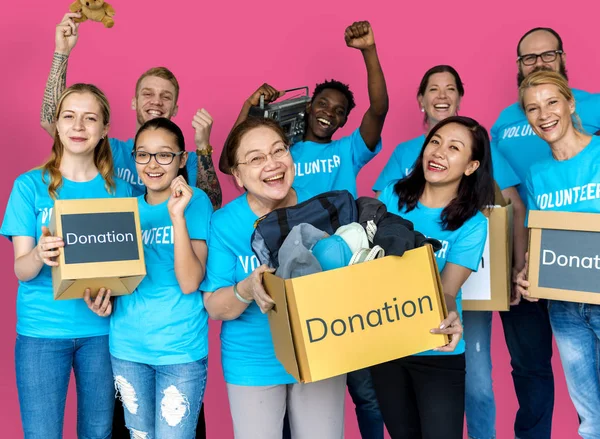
221	51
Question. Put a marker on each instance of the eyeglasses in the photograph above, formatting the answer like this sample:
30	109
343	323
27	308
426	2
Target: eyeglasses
162	158
258	159
531	58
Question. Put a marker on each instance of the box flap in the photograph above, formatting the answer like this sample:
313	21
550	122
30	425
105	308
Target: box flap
440	290
279	321
539	219
131	282
499	199
74	288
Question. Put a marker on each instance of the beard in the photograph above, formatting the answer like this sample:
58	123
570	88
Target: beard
561	69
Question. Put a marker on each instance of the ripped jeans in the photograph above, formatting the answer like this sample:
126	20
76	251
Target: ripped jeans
161	402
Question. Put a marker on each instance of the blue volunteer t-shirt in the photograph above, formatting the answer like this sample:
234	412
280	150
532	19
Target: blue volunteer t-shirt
125	165
247	351
569	185
406	154
322	167
463	246
29	208
515	139
158	324
401	162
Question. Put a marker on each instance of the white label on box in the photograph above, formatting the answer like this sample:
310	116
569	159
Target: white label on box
479	284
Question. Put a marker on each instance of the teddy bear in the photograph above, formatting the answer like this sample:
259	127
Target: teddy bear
95	10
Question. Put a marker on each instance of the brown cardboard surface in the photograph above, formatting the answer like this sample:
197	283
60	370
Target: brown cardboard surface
585	222
351	303
121	277
500	263
539	220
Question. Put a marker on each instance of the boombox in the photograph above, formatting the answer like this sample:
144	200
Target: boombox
290	113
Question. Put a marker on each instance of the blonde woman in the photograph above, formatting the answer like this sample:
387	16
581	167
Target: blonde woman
55	337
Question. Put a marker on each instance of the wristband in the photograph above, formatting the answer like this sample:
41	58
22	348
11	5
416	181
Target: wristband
238	297
207	151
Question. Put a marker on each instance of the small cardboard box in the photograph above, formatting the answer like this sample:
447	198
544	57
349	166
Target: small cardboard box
330	323
489	288
103	246
564	256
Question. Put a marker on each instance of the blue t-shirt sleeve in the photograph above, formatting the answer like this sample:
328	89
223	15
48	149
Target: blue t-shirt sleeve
386	196
197	215
192	168
391	171
468	248
221	263
123	189
361	154
503	172
20	216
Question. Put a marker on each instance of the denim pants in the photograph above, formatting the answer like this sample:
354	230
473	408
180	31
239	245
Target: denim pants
43	369
576	328
368	415
161	402
480	406
529	340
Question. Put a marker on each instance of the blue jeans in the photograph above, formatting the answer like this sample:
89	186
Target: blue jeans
161	402
529	340
370	420
576	328
43	368
480	406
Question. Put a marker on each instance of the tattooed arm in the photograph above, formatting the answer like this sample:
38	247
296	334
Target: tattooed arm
207	175
65	39
207	180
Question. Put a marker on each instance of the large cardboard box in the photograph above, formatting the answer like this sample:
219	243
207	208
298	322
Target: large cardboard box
334	322
103	246
564	256
489	288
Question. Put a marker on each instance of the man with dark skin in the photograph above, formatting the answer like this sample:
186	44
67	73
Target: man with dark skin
323	164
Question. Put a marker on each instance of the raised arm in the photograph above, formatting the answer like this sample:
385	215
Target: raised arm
360	36
207	179
270	94
65	38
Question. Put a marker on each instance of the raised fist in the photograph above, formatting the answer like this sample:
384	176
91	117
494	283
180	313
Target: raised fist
359	35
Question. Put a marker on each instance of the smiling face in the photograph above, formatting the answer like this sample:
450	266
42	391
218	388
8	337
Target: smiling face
327	113
155	97
80	124
448	155
272	180
441	98
537	43
158	177
548	112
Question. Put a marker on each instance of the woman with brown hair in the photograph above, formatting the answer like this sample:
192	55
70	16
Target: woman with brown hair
57	336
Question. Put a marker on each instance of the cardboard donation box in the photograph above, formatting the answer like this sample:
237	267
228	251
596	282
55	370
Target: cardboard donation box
103	246
489	288
564	256
330	323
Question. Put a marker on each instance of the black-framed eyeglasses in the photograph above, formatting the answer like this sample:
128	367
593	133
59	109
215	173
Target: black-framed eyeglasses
258	159
531	58
162	158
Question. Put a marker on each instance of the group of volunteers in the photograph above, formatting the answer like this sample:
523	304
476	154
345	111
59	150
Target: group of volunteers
150	348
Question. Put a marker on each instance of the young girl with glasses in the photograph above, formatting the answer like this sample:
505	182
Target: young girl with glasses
159	333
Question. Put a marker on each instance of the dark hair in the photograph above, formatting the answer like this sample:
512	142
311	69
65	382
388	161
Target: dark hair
475	192
339	86
234	140
545	29
442	68
162	123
